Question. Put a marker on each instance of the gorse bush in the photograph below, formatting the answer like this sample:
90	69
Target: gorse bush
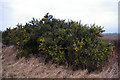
60	41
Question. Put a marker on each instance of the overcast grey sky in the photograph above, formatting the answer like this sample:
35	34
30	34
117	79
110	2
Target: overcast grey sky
102	12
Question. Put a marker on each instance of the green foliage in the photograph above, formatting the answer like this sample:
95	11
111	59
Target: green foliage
60	41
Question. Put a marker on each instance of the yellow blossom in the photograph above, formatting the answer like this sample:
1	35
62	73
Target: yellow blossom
42	40
102	56
50	53
76	49
80	46
109	43
43	48
18	43
70	35
98	65
74	44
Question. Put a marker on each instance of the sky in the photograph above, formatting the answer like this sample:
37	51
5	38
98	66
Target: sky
101	12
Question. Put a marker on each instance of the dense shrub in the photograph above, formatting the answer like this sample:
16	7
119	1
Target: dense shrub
60	41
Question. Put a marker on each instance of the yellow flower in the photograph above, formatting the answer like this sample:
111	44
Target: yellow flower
50	53
98	65
74	44
24	40
43	48
109	43
56	58
42	40
44	19
70	35
80	46
18	43
76	49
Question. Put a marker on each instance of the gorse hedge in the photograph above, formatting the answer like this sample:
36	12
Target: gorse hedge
60	41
